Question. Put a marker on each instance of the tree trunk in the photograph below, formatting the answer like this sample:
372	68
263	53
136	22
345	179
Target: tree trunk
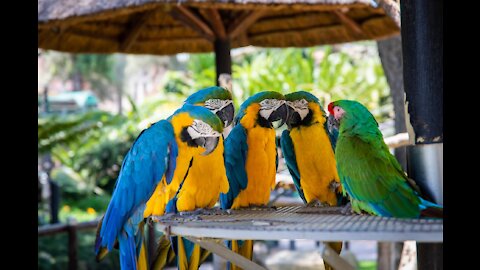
76	77
390	52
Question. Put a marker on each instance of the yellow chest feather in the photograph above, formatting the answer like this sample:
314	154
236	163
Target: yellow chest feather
316	163
260	167
205	180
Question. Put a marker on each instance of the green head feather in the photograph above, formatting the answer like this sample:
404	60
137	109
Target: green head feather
302	95
357	118
257	98
201	113
214	92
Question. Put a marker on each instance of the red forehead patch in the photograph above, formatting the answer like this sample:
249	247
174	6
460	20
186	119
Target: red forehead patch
330	107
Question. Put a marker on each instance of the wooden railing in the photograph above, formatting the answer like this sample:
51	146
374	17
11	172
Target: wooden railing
71	229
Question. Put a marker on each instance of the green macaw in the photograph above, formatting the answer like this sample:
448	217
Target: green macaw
369	173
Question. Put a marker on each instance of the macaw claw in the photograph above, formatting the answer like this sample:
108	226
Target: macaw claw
317	203
347	209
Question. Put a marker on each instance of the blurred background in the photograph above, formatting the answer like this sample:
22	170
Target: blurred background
94	101
91	107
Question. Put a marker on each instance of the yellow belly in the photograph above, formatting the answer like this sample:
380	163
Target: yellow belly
260	166
316	163
163	192
205	180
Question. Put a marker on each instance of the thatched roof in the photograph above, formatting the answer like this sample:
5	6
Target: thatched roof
168	27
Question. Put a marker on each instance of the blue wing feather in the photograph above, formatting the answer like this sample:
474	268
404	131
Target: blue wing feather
333	136
291	161
235	155
142	169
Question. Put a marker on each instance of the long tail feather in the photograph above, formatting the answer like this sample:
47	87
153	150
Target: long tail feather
164	254
128	258
142	262
204	255
188	255
243	247
100	250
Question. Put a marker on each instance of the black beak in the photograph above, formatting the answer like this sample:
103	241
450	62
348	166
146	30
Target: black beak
293	118
226	115
209	143
281	113
332	123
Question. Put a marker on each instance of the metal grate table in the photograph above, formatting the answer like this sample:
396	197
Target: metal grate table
297	222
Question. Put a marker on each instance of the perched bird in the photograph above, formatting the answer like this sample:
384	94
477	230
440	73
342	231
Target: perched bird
202	186
369	173
159	158
251	157
308	148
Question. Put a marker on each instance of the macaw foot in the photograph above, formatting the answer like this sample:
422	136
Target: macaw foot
166	216
262	207
213	211
333	186
317	203
347	210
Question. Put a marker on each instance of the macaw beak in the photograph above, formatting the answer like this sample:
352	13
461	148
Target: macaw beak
209	143
332	123
293	117
281	113
226	115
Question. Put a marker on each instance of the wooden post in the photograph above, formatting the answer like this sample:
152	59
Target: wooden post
223	60
422	47
72	245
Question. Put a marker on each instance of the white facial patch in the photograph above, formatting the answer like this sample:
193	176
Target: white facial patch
201	129
267	106
300	106
215	104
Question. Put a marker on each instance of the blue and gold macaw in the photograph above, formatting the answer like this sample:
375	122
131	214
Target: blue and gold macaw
202	186
251	157
308	148
158	159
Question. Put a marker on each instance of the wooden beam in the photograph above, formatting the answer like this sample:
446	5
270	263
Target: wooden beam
244	22
215	20
133	30
349	23
189	19
227	254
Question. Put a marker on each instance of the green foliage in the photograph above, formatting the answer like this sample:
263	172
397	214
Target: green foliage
329	73
54	130
367	265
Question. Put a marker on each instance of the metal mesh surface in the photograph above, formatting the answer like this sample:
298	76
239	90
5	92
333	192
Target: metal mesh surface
299	222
